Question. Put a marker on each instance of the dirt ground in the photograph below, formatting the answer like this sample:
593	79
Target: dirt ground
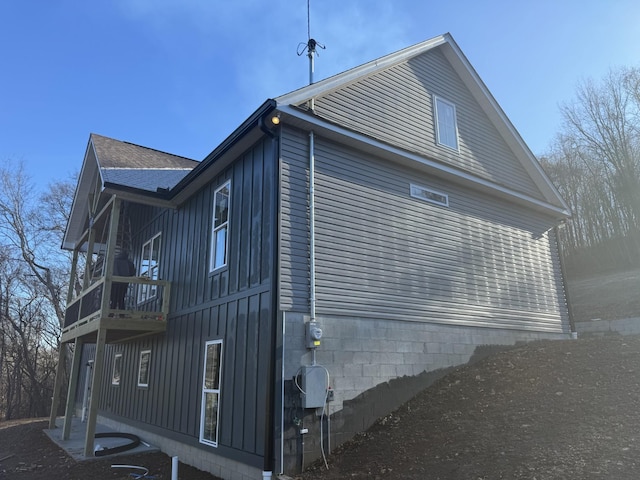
545	410
608	296
26	453
540	411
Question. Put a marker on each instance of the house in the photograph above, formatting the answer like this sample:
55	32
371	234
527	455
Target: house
305	277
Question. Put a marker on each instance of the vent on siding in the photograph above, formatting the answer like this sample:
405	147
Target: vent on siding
428	195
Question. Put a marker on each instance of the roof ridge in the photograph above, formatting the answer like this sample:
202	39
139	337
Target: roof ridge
146	168
345	77
142	146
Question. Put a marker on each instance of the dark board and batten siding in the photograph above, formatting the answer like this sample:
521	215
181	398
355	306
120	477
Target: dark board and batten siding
396	106
234	304
381	253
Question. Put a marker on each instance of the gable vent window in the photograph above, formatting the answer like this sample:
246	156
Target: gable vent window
429	195
446	125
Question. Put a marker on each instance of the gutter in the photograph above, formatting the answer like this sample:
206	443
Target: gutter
396	154
167	197
249	124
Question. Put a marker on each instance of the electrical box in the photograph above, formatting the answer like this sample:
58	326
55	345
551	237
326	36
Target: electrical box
313	382
313	334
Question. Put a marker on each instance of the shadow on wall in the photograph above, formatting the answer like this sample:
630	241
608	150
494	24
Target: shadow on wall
357	415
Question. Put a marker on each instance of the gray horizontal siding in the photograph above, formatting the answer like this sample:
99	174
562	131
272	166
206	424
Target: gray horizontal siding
293	269
381	253
396	106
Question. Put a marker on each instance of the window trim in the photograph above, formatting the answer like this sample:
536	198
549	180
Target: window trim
117	362
214	230
144	352
205	391
439	141
149	292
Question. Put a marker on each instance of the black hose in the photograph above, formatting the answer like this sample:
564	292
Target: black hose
135	441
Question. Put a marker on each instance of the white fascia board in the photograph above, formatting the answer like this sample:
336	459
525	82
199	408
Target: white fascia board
302	119
79	206
95	154
345	78
471	79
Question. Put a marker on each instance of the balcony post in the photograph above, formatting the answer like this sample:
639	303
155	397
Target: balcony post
88	267
71	393
57	386
111	246
72	280
96	387
62	347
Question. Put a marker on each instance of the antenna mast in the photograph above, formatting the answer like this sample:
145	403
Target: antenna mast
310	47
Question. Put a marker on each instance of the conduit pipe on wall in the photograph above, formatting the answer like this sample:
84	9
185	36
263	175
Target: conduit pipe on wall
312	229
284	331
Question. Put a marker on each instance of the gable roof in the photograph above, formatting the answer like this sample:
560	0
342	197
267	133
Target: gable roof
293	107
145	175
135	166
157	177
109	162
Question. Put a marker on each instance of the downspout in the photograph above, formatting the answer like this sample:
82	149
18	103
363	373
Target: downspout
269	454
563	273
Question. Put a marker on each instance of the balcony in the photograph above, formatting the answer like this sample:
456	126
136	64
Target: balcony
90	311
140	310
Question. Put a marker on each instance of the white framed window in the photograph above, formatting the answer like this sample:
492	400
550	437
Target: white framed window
446	123
150	267
210	410
220	233
429	195
143	368
117	369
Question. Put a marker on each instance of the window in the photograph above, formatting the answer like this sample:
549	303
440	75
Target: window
150	268
211	393
219	237
143	368
117	369
446	126
429	195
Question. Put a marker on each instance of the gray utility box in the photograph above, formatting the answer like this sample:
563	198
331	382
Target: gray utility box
313	381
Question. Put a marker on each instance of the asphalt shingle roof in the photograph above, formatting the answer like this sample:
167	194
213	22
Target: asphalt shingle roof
117	154
139	167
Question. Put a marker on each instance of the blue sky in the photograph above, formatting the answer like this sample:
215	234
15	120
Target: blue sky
180	75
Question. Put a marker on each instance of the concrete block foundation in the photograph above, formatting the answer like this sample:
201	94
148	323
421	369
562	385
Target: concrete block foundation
374	366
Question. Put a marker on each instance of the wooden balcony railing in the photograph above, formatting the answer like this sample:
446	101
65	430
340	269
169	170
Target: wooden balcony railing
146	310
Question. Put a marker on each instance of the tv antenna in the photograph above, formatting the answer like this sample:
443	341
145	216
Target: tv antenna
310	46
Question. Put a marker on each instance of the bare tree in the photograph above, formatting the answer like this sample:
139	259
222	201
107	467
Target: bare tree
33	278
604	123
